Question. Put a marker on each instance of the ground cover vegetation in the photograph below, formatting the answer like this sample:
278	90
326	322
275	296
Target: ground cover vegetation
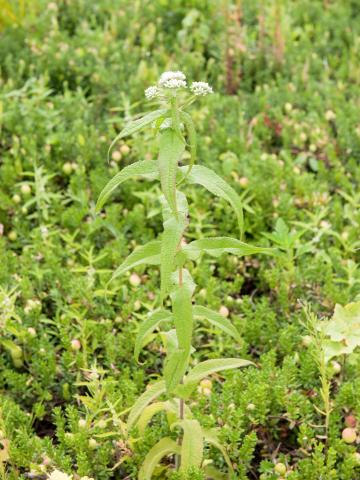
236	245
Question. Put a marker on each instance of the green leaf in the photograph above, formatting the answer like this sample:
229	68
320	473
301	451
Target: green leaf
145	254
166	446
152	392
171	149
147	414
147	327
173	231
211	436
218	245
192	445
217	320
136	125
217	186
190	127
138	169
175	367
171	407
343	329
182	311
213	473
208	367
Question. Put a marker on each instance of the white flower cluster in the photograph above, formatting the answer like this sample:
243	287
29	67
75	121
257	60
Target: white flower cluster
152	92
173	81
200	88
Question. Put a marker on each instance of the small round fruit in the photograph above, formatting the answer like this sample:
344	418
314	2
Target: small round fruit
349	435
116	156
92	443
350	421
125	149
206	383
82	423
12	235
134	280
224	311
16	198
280	468
307	340
75	344
67	168
31	332
25	189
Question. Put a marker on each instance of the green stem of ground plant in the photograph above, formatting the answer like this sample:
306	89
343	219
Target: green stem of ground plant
181	402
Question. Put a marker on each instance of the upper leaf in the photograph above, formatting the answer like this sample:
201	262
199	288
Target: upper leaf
217	186
171	149
165	446
148	253
142	168
174	228
136	125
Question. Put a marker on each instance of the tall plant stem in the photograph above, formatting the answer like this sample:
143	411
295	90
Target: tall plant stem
181	402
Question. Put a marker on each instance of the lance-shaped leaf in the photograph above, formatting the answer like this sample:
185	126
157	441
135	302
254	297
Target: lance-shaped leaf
192	445
191	131
147	327
144	168
171	407
217	320
166	446
150	394
217	186
206	368
137	125
211	436
173	231
175	367
182	310
171	149
145	254
216	246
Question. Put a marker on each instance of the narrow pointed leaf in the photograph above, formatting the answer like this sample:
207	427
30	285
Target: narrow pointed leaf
145	254
190	127
213	473
147	415
218	245
208	367
217	320
171	149
173	232
136	125
175	368
147	327
183	313
192	445
150	394
217	186
166	446
211	436
138	169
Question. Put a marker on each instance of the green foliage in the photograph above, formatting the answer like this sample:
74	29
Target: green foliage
280	134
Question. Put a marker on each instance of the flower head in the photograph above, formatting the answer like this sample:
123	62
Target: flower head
152	92
172	80
200	88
